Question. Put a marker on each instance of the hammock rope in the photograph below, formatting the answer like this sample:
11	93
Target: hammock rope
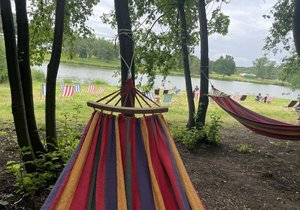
254	121
128	34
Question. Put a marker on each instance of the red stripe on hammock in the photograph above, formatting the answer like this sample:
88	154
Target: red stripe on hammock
81	194
135	191
160	173
165	157
100	181
258	123
64	183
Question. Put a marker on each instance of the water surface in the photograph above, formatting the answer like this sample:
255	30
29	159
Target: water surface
86	74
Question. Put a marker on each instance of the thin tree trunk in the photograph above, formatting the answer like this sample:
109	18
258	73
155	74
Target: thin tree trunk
18	106
204	69
52	70
296	26
126	42
186	66
24	65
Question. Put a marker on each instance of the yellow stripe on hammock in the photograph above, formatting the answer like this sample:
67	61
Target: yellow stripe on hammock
67	195
158	199
190	191
122	202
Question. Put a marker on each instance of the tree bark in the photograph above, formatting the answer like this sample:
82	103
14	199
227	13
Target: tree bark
126	42
186	66
296	26
18	106
52	70
204	66
25	71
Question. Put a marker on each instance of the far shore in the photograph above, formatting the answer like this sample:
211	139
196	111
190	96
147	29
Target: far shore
115	64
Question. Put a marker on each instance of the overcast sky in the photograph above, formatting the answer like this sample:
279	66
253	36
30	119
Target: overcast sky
247	30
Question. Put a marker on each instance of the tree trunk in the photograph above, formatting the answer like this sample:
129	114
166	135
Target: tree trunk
18	106
52	70
296	26
186	66
204	69
24	65
126	42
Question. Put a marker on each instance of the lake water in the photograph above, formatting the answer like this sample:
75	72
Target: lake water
86	74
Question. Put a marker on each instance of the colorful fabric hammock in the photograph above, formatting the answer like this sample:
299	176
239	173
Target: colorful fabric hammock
254	121
124	163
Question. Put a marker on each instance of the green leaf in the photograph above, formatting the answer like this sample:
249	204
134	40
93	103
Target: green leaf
3	203
27	180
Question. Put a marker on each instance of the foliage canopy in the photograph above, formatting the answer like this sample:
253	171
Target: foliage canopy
91	47
158	23
280	39
42	15
224	65
265	69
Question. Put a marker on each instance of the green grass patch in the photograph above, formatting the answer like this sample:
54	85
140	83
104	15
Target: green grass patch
245	148
236	77
177	115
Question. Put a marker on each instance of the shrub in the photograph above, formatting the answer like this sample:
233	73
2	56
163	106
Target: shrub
38	75
68	81
3	69
284	143
99	82
4	134
213	129
209	133
49	165
48	168
193	137
245	148
3	76
68	135
178	133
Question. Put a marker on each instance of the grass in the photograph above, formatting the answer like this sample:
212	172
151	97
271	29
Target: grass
177	115
245	148
237	77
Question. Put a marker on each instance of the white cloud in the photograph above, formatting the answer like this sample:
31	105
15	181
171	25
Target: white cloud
247	32
244	41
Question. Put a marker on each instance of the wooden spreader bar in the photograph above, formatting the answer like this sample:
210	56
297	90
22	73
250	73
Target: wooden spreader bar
127	110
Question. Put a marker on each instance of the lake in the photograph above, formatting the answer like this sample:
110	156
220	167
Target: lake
86	74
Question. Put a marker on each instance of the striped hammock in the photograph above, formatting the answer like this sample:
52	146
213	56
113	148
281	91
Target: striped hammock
254	121
125	163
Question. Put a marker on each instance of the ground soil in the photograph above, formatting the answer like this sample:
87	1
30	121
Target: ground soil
266	178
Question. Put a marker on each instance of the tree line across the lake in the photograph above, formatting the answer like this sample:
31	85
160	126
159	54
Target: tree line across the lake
91	46
106	51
